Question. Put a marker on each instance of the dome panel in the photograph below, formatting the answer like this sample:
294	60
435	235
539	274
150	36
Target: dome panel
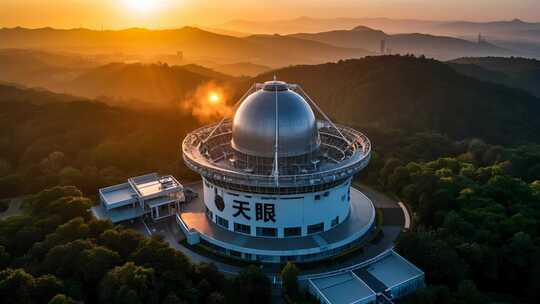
254	123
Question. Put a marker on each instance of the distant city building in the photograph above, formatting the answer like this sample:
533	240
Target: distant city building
383	47
386	278
148	195
481	39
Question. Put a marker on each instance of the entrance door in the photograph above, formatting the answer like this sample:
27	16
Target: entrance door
155	213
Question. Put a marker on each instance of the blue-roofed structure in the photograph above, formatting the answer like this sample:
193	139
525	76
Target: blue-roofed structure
342	288
152	195
383	279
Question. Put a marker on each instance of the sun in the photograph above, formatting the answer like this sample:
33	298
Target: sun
213	98
141	6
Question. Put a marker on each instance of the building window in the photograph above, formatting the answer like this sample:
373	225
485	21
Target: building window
315	228
222	222
242	228
317	197
292	231
326	194
335	221
292	198
263	231
209	213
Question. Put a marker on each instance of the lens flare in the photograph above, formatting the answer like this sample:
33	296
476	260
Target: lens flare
213	98
209	102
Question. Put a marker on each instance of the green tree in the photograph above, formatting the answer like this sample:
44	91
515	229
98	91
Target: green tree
289	277
467	293
61	299
128	282
4	257
252	286
18	286
172	299
96	262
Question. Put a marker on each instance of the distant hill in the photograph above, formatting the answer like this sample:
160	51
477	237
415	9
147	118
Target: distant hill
360	37
439	47
520	73
389	25
14	93
517	35
297	48
40	68
207	72
490	27
405	92
314	25
242	69
192	42
105	144
142	85
417	94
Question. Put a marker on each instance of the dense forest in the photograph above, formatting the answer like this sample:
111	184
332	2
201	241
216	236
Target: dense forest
514	72
462	153
476	215
417	94
58	253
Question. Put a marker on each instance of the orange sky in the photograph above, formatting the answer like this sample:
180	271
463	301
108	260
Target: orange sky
116	14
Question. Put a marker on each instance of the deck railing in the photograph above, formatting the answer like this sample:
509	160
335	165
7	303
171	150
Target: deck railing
191	148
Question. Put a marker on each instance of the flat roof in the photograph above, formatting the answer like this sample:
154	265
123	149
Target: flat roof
117	193
139	186
393	270
380	274
343	288
151	184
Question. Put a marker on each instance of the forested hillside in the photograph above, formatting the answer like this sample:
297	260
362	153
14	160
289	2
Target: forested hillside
143	85
48	139
417	94
520	73
462	153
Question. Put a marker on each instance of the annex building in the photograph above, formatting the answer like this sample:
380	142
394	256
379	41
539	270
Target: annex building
147	195
384	279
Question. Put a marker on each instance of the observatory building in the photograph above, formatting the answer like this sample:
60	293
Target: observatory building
277	180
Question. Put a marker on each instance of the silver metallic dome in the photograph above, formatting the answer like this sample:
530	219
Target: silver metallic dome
254	123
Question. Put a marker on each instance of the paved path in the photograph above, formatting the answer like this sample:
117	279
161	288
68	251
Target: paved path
393	221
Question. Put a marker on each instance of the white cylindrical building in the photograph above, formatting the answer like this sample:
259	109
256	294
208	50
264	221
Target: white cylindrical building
276	172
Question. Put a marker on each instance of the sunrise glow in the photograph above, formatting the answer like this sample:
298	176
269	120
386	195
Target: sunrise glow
141	6
213	98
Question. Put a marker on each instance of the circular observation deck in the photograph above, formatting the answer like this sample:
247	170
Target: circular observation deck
342	153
